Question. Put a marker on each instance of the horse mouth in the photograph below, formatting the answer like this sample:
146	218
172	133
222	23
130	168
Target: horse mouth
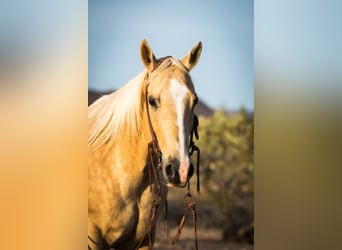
172	185
175	182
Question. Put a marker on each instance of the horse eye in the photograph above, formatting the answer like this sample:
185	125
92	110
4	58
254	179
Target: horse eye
152	101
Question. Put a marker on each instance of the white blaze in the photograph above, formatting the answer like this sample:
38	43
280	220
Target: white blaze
179	92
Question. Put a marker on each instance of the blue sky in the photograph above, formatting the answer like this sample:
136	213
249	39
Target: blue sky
224	75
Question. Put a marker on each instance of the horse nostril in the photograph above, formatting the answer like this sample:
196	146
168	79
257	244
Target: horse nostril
170	171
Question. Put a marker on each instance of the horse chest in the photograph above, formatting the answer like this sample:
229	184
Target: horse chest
130	222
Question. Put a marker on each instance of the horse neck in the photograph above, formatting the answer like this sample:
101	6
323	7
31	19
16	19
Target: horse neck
131	151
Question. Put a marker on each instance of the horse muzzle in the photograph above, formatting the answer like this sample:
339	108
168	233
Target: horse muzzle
178	174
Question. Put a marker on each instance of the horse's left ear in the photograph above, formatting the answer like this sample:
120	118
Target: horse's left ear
147	55
192	58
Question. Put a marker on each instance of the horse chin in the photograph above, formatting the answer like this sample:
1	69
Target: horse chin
172	185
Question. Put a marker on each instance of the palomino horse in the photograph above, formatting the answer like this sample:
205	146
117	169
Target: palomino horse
144	125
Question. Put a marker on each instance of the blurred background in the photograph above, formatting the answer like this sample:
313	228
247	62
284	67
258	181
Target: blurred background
224	82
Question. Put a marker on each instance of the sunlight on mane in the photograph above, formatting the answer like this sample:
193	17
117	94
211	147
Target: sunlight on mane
121	111
116	112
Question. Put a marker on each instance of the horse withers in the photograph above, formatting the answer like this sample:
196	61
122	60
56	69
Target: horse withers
138	142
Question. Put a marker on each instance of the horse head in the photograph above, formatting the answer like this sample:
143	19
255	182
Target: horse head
170	100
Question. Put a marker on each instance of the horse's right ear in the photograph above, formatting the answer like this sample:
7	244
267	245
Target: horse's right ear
147	56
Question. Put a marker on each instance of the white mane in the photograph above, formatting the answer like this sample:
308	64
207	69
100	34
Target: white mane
115	112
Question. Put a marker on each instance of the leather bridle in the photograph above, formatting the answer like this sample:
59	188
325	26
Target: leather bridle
155	165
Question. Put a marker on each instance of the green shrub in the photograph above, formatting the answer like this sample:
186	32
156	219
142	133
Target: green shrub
227	170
